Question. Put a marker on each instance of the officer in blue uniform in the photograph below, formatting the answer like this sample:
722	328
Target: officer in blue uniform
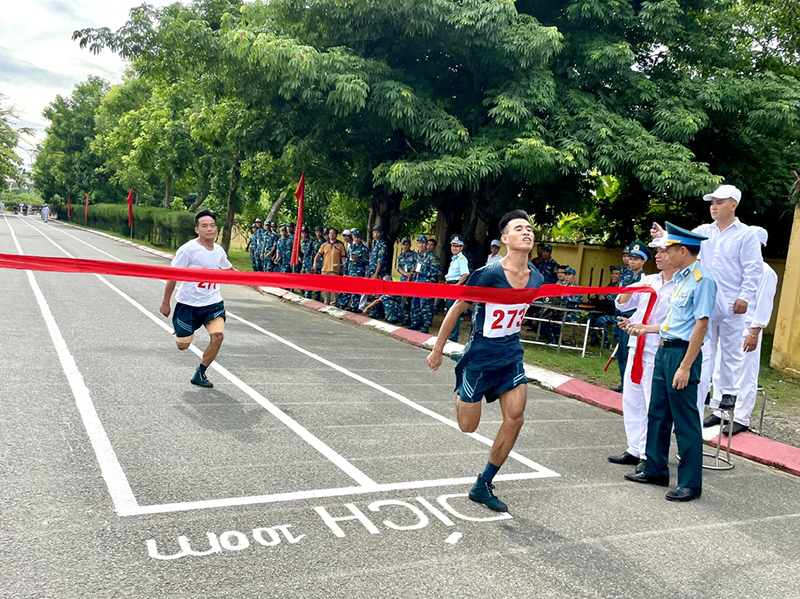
283	251
677	369
269	247
406	261
457	274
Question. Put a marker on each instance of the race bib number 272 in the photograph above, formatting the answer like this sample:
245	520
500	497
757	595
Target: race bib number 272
503	320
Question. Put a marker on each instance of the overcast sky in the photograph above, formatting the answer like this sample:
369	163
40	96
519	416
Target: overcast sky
39	60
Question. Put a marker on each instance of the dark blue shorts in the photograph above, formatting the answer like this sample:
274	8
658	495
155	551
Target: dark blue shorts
473	385
187	319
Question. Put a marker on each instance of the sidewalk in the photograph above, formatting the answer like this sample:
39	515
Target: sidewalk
746	444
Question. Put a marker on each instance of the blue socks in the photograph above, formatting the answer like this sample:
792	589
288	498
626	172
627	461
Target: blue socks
489	472
202	368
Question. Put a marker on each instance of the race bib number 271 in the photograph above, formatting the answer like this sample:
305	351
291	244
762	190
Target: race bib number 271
503	320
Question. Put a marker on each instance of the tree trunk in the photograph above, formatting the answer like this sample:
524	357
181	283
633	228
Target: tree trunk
168	191
273	212
205	188
383	211
449	220
236	174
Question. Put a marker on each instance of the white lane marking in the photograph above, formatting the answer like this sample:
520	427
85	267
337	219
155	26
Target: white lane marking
451	423
118	487
295	426
453	538
186	506
401	398
539	470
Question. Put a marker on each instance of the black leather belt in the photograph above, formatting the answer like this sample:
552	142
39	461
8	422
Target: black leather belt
674	343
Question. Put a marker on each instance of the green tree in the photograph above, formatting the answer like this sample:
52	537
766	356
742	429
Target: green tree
66	164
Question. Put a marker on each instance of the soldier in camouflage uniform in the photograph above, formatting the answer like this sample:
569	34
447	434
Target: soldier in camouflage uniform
377	255
357	261
258	241
428	270
290	230
252	245
391	306
406	262
268	250
283	252
545	264
316	244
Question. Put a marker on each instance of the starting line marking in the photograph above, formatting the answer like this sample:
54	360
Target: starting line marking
125	502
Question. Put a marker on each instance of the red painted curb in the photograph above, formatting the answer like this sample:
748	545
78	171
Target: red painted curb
313	304
356	318
766	451
591	394
415	337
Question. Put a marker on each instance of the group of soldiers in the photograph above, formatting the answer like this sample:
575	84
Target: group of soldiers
270	249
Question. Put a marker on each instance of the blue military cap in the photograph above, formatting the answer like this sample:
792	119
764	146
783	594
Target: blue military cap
615	267
355	232
387	278
254	226
626	249
570	271
304	229
282	228
405	240
290	225
639	249
679	236
377	228
422	238
318	228
547	247
457	239
258	220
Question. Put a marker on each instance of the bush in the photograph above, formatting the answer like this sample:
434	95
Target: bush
158	226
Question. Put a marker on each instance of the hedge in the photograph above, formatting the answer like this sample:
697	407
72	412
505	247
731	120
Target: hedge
158	226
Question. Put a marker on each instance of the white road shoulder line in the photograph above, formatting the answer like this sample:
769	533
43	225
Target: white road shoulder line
118	486
295	426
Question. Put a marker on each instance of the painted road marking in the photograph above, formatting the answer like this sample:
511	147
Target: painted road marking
367	485
118	487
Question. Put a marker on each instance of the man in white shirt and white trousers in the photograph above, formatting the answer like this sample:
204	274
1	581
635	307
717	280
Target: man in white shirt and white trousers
636	397
733	255
758	315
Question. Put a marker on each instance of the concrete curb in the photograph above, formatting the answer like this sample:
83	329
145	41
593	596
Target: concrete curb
746	444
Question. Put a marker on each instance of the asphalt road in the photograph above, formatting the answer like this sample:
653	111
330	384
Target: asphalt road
324	463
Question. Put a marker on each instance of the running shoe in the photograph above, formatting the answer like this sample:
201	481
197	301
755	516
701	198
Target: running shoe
481	492
201	380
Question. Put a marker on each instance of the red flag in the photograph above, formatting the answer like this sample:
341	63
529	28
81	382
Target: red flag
299	194
69	207
130	207
86	210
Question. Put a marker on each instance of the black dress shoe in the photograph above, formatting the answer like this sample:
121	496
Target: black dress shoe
712	420
625	458
727	402
640	466
661	481
684	494
737	428
617	389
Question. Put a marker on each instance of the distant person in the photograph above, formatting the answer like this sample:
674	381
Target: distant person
545	264
199	304
46	213
494	255
331	256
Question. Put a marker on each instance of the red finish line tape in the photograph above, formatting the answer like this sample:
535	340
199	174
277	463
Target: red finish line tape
306	282
328	283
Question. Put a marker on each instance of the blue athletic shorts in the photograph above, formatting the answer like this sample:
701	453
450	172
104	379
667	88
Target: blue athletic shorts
187	319
473	385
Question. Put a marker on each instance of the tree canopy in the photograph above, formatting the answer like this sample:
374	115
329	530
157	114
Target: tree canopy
459	109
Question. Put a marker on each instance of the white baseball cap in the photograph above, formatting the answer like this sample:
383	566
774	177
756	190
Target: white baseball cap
495	242
346	232
761	233
724	191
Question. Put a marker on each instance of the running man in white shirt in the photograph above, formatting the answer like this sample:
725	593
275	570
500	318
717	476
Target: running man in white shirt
199	304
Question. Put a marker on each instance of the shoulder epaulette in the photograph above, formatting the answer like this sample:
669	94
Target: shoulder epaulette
698	274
